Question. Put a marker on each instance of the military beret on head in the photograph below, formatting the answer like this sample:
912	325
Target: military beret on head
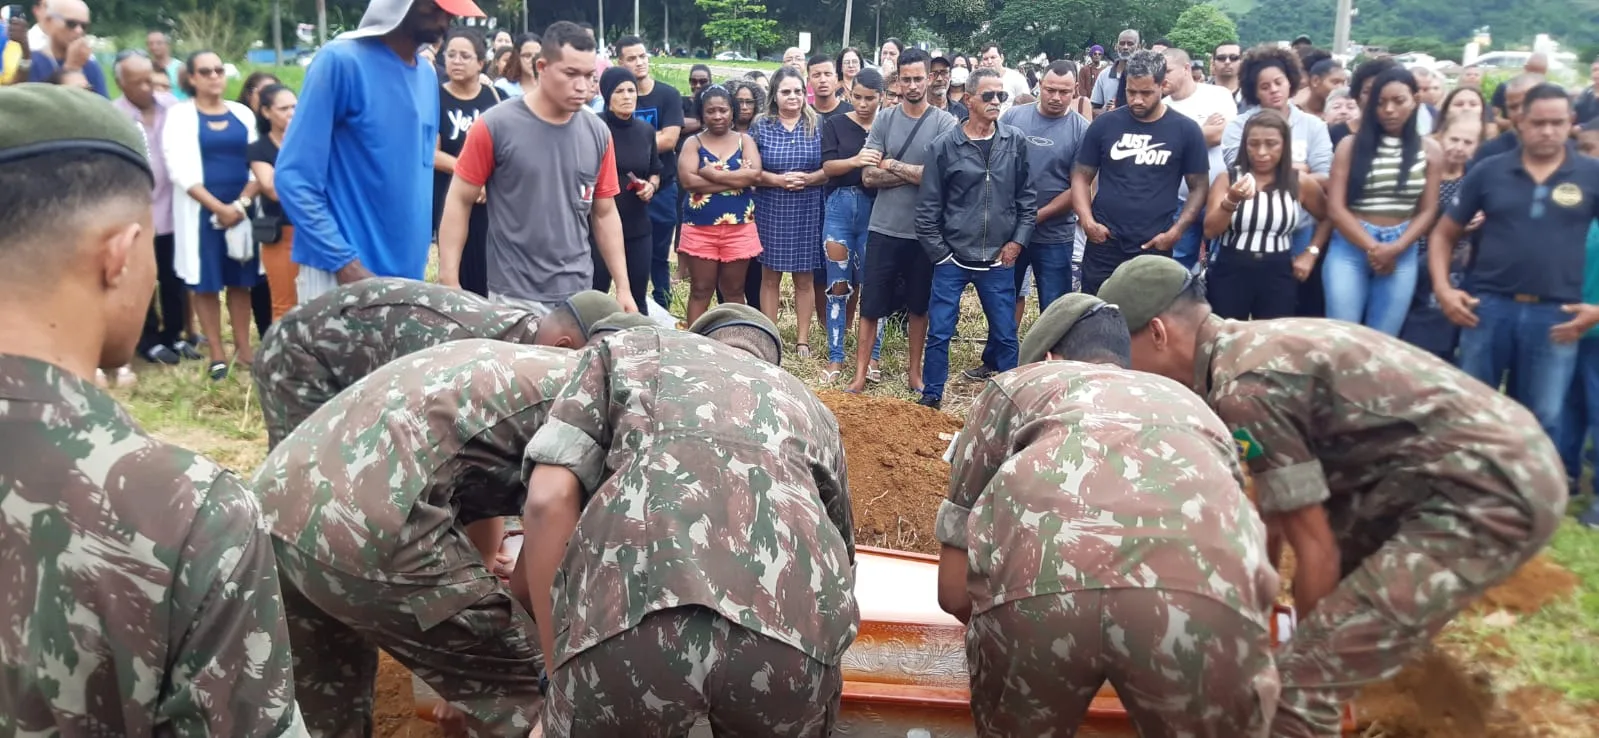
590	307
1144	287
727	315
40	119
1056	321
620	321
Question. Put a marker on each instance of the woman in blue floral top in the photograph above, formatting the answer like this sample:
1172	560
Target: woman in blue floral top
718	169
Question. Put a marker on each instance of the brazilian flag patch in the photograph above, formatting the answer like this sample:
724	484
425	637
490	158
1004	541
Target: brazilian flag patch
1248	447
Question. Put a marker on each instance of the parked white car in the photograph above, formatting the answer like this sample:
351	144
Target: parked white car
732	56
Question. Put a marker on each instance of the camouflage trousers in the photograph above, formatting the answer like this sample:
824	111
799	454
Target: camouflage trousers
1182	664
468	640
288	394
1441	555
677	665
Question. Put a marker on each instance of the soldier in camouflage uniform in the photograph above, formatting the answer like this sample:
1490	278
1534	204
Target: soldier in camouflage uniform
140	596
367	501
330	342
1096	529
1405	487
709	570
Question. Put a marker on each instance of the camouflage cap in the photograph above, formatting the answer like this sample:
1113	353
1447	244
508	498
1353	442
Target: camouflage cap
1056	321
590	307
41	119
620	321
1144	287
729	314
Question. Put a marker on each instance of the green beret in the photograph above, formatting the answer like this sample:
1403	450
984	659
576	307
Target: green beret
1053	325
40	119
729	314
590	307
1144	287
620	321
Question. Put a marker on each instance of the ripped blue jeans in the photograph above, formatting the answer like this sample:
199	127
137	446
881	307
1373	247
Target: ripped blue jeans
849	212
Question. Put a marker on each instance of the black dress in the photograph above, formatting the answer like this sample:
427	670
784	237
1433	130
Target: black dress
633	143
456	117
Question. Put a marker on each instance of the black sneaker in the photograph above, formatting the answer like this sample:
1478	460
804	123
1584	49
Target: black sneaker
187	351
936	403
159	354
979	373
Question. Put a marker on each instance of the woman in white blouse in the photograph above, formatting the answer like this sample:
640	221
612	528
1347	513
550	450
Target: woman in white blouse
206	141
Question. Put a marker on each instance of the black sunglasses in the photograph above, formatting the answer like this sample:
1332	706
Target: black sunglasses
996	96
1227	57
70	23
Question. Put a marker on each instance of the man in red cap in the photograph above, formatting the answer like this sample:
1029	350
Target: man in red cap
355	172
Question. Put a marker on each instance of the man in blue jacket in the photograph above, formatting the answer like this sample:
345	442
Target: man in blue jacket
977	208
356	170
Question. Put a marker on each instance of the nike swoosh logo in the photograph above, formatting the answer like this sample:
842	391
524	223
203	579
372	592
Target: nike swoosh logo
1117	153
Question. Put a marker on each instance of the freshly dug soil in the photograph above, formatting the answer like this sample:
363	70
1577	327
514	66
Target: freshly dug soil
1434	697
897	473
394	709
1538	583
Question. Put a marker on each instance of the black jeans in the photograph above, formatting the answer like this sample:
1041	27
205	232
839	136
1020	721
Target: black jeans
1243	285
640	252
164	327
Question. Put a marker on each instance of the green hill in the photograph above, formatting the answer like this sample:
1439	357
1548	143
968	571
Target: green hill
1575	23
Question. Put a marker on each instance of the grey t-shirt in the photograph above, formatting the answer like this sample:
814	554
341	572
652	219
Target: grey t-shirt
1105	86
1051	151
894	212
542	180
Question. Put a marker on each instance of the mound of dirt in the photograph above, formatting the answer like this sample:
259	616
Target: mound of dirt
1434	697
897	473
1538	583
394	709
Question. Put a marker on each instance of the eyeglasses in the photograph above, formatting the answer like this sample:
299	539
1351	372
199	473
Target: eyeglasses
746	103
998	96
790	93
1227	57
210	71
72	24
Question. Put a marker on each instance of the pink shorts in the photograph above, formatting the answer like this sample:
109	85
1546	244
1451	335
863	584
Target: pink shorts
724	243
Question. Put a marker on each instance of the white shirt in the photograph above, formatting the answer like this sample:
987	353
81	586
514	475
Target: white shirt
38	40
1205	101
1015	85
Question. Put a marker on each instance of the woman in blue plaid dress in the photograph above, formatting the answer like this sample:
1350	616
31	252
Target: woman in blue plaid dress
788	202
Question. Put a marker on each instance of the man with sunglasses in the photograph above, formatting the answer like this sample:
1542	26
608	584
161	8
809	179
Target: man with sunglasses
67	24
1224	61
976	209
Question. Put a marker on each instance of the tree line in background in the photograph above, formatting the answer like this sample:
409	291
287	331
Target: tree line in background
1055	27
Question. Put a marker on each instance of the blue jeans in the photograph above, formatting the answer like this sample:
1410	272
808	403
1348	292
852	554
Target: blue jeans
663	209
1580	419
1053	270
1186	250
1513	336
996	290
1356	295
849	212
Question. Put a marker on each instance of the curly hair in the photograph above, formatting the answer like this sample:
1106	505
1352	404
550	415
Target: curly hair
1264	57
756	89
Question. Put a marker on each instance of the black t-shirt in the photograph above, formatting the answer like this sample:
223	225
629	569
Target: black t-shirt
663	108
1559	212
843	138
633	145
843	107
1141	165
1338	133
1503	143
263	150
456	117
986	145
1587	108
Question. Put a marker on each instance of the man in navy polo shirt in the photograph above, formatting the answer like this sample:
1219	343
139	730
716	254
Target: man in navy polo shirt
1521	307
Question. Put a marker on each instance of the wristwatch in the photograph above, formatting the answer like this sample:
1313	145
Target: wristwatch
1314	250
245	201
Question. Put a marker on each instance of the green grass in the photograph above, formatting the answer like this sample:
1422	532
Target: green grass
685	63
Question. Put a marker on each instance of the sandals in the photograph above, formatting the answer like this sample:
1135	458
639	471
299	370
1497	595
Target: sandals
218	371
874	375
802	350
830	377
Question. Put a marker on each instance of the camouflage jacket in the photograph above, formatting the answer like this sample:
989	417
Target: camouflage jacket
1336	413
1073	476
334	340
140	595
375	482
709	478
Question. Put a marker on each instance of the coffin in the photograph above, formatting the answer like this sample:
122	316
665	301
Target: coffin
905	675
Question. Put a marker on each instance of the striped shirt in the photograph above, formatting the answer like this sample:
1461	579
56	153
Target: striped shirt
1265	223
1382	195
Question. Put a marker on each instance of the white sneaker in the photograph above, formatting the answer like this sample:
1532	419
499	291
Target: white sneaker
100	380
126	377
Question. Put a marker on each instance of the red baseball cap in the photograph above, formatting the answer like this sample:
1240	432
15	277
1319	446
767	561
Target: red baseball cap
460	8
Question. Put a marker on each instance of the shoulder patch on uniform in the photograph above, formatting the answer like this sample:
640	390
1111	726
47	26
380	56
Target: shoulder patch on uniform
1248	447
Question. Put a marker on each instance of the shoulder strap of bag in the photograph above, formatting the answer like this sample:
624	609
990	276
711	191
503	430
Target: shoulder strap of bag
908	139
